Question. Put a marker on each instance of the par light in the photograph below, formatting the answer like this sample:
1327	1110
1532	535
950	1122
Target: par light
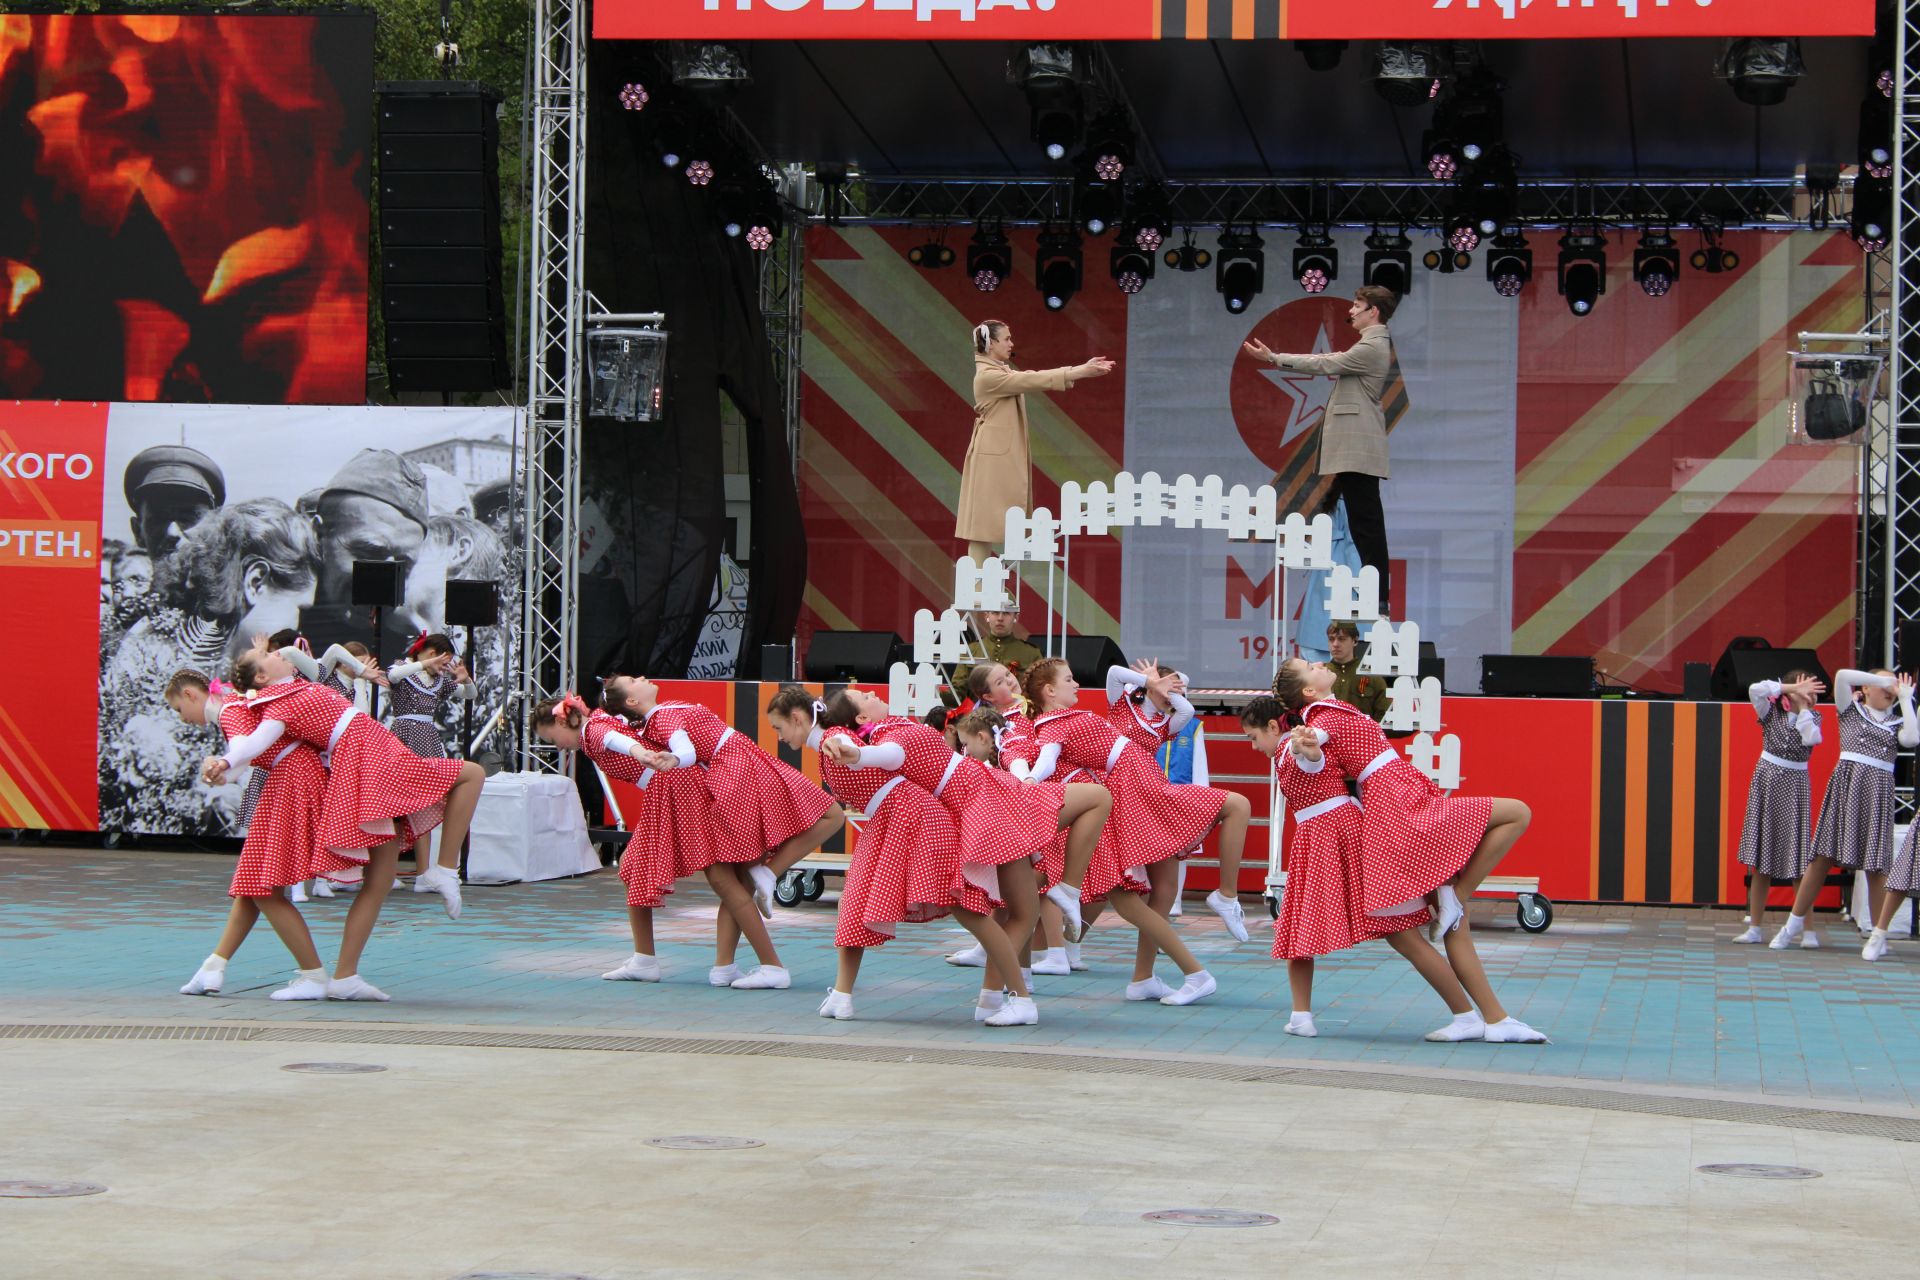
1871	223
1656	263
932	255
1130	267
989	259
1509	263
1316	263
1583	270
633	97
1188	256
1876	136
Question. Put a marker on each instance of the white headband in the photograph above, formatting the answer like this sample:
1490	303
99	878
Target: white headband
819	709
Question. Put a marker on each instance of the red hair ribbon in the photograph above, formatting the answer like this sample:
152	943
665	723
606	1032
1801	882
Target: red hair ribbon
419	643
572	702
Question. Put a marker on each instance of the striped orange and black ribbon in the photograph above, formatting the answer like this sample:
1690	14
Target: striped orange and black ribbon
1658	820
1218	19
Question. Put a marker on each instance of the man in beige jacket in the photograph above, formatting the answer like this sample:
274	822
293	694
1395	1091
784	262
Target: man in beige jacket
1353	433
999	469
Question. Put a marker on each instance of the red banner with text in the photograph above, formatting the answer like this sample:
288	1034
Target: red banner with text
1219	19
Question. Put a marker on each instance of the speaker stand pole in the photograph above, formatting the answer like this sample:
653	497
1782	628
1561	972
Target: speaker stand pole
373	693
466	733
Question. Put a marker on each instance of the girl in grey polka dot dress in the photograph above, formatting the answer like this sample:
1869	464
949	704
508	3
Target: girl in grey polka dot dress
1773	839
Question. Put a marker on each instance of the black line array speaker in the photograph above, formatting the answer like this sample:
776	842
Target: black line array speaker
1535	675
440	288
855	656
1088	657
1748	660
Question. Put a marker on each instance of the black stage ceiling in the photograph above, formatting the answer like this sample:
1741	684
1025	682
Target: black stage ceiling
1648	109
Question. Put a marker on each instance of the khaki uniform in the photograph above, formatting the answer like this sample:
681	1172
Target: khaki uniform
1367	692
1016	655
998	472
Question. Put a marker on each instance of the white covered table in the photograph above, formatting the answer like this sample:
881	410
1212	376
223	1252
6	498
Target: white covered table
529	826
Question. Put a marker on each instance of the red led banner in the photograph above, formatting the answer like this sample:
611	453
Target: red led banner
1219	19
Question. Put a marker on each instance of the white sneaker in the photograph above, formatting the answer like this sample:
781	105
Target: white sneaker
1752	935
1465	1026
1151	989
1511	1030
1074	962
1875	948
207	982
1174	911
1198	986
768	977
838	1005
1068	900
1787	936
297	893
1301	1024
1452	911
636	968
1019	1011
1228	909
354	988
301	989
1809	941
437	879
723	975
1053	964
321	889
973	957
763	884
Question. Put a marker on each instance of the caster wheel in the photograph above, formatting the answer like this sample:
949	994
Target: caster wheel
812	886
1273	905
1534	912
787	891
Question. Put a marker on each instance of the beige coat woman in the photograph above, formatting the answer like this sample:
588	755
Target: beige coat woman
998	472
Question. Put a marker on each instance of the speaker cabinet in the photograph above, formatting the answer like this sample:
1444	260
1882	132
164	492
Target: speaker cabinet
1696	682
854	656
378	583
472	603
776	662
440	267
1090	656
1535	675
1744	663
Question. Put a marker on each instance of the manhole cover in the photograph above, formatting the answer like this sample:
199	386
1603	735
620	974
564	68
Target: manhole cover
1210	1218
704	1142
1775	1172
30	1190
334	1068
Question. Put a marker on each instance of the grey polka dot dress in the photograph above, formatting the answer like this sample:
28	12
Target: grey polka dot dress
1773	839
1856	816
414	704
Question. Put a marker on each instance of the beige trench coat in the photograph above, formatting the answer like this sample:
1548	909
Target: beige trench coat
1353	434
999	469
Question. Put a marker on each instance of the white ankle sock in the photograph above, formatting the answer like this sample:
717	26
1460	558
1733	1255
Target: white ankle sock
1149	989
1465	1026
1794	925
1301	1024
1199	985
1073	954
215	962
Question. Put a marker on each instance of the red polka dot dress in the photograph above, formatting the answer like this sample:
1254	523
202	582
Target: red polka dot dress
672	835
1141	723
758	802
1320	911
1152	819
1415	836
283	838
1020	746
906	862
377	790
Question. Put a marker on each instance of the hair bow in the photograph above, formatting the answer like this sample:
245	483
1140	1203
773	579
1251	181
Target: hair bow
819	709
572	701
300	643
219	688
999	737
419	643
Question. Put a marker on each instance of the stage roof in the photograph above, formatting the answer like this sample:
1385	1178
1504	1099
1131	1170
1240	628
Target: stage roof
1247	109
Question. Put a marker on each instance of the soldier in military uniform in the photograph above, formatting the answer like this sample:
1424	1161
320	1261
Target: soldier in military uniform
1367	692
1002	646
170	488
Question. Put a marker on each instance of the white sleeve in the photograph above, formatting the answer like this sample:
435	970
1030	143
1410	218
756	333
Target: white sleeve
646	776
466	692
1121	679
1048	760
890	756
1182	714
1807	724
243	750
1761	695
1909	726
1021	770
337	656
400	671
1305	765
1201	777
615	741
301	662
1846	680
682	747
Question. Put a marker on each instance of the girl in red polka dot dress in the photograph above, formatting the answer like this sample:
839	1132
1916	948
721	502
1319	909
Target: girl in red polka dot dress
1320	911
671	834
1416	841
281	847
380	797
994	686
766	815
1003	823
1153	820
907	865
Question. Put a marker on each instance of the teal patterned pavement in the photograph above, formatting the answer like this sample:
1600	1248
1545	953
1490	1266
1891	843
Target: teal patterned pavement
1637	997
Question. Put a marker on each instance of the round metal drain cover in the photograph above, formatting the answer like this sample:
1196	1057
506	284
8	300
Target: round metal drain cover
31	1190
1774	1172
704	1142
1210	1218
334	1068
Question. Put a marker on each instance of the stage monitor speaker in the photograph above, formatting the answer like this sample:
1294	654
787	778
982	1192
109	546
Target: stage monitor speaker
1740	667
776	662
861	656
472	602
440	251
1696	682
378	584
1089	657
1535	675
